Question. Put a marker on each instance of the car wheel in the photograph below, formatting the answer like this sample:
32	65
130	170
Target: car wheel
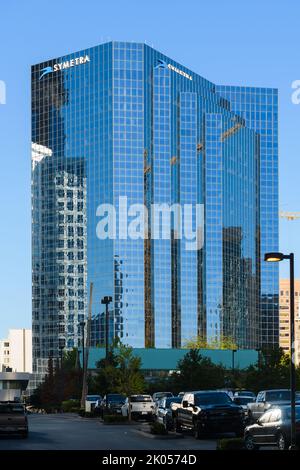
281	441
177	426
249	443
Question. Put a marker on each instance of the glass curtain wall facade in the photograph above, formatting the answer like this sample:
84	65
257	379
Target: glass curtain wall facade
259	108
122	124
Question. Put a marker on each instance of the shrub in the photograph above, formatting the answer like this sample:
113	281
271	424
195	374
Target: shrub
110	419
236	443
85	414
69	406
158	428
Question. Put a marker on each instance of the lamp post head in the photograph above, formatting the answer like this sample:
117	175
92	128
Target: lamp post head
106	300
274	257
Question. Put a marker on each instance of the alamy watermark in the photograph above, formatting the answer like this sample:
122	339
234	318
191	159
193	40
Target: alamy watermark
296	94
2	92
159	222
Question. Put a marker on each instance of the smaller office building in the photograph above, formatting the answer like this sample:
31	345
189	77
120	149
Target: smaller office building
16	351
13	385
161	362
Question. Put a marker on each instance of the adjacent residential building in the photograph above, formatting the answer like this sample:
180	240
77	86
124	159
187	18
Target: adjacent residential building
123	121
16	351
284	317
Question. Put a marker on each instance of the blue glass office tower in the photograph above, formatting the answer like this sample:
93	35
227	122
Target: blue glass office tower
122	119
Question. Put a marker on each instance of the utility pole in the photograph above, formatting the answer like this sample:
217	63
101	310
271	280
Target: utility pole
85	351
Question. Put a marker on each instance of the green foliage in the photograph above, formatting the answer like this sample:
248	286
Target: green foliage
120	373
197	373
115	419
129	377
60	384
236	443
158	428
271	371
70	406
225	342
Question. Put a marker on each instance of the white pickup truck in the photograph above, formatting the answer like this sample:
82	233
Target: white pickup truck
141	406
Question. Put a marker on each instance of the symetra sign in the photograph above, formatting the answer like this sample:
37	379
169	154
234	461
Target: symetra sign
65	65
163	65
181	72
71	63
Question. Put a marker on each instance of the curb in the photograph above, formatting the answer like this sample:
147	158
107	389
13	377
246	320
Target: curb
157	436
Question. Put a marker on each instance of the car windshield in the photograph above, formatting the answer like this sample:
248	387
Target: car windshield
212	399
245	394
243	400
138	398
173	400
116	398
16	409
162	395
92	398
278	395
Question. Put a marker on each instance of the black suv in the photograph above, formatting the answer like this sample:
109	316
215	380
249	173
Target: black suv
111	404
209	411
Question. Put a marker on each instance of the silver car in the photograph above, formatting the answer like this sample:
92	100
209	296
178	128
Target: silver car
164	414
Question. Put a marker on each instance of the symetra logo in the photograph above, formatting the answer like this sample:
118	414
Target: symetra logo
45	71
163	65
65	65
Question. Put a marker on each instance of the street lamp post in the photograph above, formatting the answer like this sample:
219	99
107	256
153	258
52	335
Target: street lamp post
106	301
275	257
233	354
62	344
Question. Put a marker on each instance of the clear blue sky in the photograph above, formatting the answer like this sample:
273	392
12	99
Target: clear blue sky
232	42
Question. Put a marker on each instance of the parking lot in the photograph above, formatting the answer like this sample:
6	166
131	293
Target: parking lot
71	432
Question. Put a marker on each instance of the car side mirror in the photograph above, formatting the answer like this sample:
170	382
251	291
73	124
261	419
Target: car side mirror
259	422
185	404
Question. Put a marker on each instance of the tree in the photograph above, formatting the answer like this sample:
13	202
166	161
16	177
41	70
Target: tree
196	372
129	379
271	371
106	378
225	342
120	372
60	384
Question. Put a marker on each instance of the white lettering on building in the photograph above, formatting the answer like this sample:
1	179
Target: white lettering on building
71	63
181	72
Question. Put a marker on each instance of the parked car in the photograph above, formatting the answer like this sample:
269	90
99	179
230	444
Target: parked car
265	400
165	412
273	428
159	395
112	404
91	402
180	394
13	419
229	391
244	393
208	411
243	401
142	406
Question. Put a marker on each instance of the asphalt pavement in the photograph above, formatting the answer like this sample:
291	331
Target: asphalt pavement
71	432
